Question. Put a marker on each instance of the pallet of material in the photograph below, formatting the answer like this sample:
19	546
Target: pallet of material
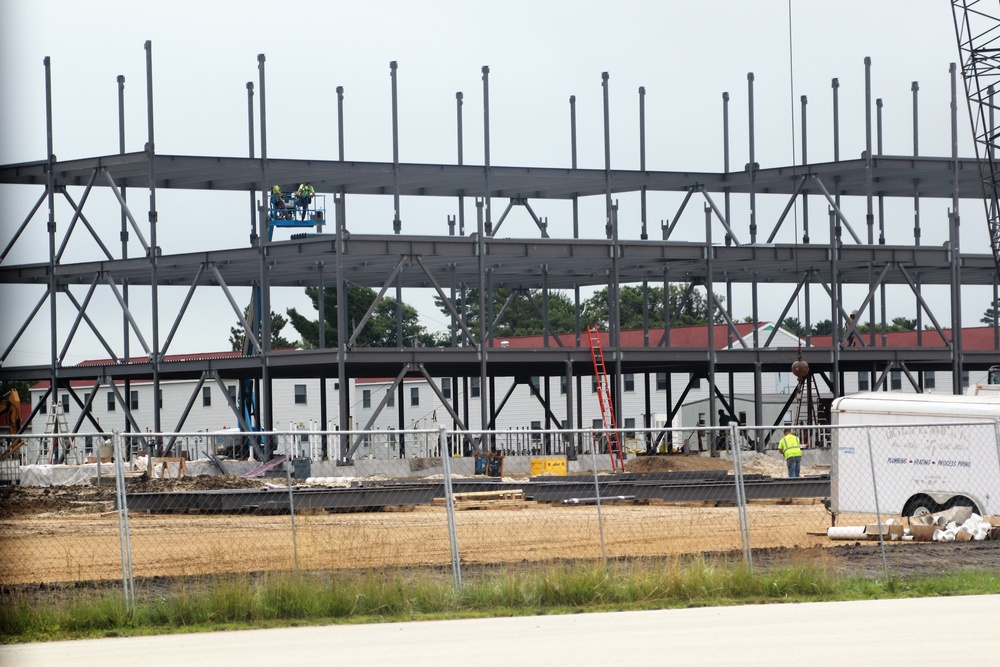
511	498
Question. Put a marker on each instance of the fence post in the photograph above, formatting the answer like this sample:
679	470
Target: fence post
288	439
124	537
996	430
741	499
597	495
100	441
878	510
449	503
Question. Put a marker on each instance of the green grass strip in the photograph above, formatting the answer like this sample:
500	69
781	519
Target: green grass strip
240	602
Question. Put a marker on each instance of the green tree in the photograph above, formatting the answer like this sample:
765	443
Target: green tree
903	324
521	318
897	324
237	334
822	328
793	325
379	330
692	312
990	314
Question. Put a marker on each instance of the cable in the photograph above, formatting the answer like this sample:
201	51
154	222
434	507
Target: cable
803	381
795	204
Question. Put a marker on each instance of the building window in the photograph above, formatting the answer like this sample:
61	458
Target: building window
159	399
336	386
111	401
231	390
414	395
133	402
630	427
593	384
446	387
630	382
695	381
661	382
41	402
535	382
536	426
929	381
474	387
390	398
965	379
562	384
597	424
862	381
65	404
895	380
206	397
366	398
86	398
300	394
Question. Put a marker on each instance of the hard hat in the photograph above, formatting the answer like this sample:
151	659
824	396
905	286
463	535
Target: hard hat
276	189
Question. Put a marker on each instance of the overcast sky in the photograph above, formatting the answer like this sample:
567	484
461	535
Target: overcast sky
685	54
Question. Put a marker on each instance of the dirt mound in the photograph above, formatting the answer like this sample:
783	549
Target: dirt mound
676	463
145	484
754	464
19	500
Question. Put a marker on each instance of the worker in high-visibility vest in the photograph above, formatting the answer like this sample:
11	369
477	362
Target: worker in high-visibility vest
789	446
281	204
303	197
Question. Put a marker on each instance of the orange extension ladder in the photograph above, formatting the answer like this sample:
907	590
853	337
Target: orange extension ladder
604	398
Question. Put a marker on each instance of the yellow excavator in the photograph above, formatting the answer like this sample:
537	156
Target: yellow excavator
10	405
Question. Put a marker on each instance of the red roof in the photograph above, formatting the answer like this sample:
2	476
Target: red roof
692	336
193	356
973	338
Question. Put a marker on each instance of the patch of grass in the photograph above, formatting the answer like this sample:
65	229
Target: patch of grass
316	598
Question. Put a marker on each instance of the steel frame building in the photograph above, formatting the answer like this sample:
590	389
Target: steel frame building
735	249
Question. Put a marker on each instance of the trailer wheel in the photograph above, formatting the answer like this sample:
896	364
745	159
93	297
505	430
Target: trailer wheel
961	501
919	505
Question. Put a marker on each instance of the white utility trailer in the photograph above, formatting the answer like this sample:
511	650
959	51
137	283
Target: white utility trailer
927	452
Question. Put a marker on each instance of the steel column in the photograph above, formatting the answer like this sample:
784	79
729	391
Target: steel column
154	250
53	289
461	161
955	247
710	307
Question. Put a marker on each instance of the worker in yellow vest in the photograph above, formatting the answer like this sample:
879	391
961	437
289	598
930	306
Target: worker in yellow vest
304	197
789	446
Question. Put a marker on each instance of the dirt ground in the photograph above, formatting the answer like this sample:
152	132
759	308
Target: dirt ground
758	464
70	534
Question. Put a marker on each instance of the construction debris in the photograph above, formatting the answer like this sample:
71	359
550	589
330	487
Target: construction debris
595	500
956	524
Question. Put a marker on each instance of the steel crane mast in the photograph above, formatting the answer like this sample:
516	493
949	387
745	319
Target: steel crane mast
977	29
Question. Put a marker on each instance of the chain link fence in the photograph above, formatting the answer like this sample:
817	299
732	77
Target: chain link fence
145	509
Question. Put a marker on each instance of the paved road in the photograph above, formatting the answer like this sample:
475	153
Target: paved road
956	630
